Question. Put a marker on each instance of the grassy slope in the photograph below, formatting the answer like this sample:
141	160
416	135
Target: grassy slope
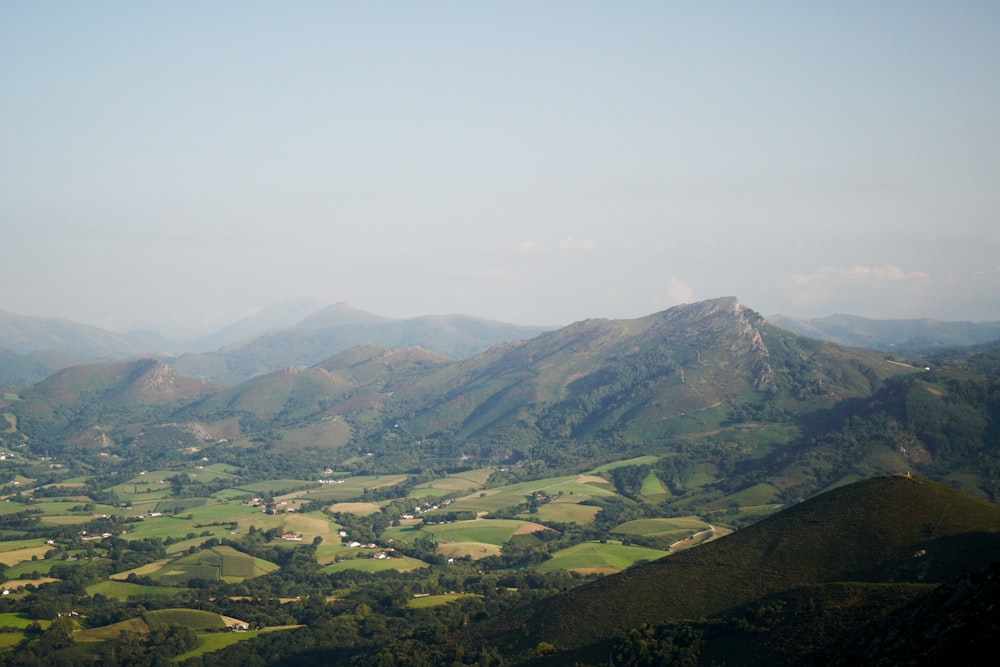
866	531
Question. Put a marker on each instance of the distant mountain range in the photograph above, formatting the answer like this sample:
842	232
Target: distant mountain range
744	403
302	333
918	337
291	334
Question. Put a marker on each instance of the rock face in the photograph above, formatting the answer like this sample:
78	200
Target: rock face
155	382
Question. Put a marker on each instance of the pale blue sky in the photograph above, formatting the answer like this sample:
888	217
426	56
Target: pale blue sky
181	164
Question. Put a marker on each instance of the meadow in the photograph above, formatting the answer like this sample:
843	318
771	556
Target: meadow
599	558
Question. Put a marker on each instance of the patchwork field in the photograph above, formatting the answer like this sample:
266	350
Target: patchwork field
580	487
467	480
350	489
26	553
220	563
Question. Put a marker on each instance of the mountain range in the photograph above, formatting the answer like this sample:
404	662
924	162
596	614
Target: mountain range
917	336
859	482
302	333
291	334
740	405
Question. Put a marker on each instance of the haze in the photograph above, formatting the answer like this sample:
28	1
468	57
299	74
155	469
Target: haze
181	165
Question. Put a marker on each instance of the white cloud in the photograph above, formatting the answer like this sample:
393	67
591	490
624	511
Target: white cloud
857	274
679	291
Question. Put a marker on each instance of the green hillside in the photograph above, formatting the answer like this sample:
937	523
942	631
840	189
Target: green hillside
886	529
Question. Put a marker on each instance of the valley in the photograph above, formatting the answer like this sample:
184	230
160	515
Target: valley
543	500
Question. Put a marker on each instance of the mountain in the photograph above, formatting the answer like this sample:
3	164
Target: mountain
891	530
918	336
32	348
276	316
625	387
81	405
340	327
728	409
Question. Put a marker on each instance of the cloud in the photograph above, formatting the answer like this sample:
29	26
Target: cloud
857	274
679	292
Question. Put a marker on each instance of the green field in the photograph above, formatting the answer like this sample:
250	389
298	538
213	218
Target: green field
404	564
428	601
178	505
218	563
579	487
11	620
488	531
121	590
42	566
192	618
276	487
675	529
21	544
353	488
15	556
199	539
639	460
213	641
595	557
111	631
564	509
652	486
467	480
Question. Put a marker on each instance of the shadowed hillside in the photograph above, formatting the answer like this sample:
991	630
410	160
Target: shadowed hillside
892	529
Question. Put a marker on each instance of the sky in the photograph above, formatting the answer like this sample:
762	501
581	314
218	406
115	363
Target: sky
181	165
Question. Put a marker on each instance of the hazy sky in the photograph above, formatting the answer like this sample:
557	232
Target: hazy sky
181	164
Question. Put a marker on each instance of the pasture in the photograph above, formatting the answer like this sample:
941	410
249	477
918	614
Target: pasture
112	631
352	488
220	563
670	529
467	480
597	557
122	590
213	641
564	509
277	487
487	531
474	550
639	460
361	509
404	564
15	556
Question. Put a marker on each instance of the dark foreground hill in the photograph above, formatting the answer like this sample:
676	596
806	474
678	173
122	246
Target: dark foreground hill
894	530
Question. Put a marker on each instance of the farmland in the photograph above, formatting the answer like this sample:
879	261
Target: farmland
183	534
